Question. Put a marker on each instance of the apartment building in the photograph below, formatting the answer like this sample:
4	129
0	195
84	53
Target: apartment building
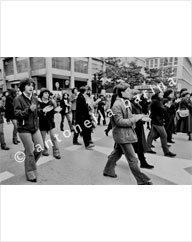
181	69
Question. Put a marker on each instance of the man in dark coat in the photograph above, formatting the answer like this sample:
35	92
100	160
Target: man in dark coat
170	106
140	146
83	119
157	124
9	113
2	138
114	96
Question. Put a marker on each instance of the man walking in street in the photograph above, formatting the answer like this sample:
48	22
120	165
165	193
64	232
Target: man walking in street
157	124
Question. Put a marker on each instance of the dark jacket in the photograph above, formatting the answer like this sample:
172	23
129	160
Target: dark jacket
46	121
145	105
113	100
65	108
82	111
2	110
9	109
27	120
139	129
157	111
101	105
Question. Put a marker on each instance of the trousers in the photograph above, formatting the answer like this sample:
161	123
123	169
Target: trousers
33	145
128	151
156	132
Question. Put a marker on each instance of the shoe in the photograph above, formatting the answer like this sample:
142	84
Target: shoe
170	154
89	147
171	141
77	143
169	145
5	148
57	156
152	146
106	132
91	142
18	141
15	142
33	180
151	151
147	166
61	129
45	154
109	175
147	183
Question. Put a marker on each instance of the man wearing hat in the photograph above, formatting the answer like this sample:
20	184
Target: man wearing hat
157	123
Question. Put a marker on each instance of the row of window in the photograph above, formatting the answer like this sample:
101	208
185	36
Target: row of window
36	63
160	62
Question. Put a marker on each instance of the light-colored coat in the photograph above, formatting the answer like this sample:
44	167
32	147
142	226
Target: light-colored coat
123	123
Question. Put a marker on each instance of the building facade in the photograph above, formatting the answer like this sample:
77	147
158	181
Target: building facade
181	69
55	73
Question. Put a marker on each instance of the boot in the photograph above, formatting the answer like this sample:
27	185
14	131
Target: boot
146	166
190	136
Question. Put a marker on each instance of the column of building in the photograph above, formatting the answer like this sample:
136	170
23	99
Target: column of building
3	74
72	82
49	76
89	82
15	68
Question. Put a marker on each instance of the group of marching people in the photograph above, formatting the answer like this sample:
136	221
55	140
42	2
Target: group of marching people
33	117
167	112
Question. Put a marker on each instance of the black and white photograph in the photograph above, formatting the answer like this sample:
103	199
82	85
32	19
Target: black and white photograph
96	120
95	101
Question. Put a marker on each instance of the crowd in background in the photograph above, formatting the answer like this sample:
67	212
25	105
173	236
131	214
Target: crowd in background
33	116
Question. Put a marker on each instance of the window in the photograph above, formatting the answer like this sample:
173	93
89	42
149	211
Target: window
156	63
147	63
165	61
175	60
81	66
170	61
22	65
151	63
37	63
161	62
9	67
63	63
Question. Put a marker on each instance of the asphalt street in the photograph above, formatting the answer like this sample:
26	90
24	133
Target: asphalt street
79	166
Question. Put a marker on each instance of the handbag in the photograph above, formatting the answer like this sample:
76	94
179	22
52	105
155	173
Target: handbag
183	113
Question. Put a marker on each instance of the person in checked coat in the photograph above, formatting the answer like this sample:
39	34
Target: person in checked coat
123	124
